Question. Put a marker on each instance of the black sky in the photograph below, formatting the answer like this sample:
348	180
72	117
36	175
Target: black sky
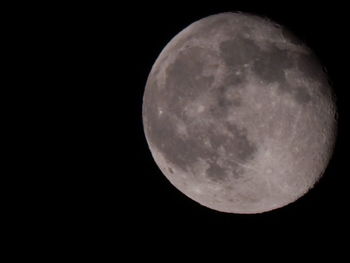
125	191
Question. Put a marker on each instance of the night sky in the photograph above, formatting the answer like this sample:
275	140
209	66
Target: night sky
117	190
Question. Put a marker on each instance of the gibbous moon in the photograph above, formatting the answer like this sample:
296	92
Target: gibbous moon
238	114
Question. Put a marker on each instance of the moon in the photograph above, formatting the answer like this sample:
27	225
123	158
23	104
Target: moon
239	115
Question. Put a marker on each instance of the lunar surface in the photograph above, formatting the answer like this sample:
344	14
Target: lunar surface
238	114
